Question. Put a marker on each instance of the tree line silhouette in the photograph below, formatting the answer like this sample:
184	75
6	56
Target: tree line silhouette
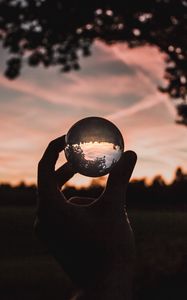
77	156
158	194
95	166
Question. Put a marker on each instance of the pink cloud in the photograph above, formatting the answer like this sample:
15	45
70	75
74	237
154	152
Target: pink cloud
147	123
143	105
146	57
48	95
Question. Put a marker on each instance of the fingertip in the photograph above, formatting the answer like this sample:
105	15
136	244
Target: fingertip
127	159
122	171
119	177
46	165
57	144
130	156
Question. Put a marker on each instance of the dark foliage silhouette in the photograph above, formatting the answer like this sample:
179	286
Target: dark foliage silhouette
44	32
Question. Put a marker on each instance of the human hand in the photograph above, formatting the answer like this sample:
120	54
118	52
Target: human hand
90	238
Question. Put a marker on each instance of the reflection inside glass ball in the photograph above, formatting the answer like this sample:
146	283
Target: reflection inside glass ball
93	146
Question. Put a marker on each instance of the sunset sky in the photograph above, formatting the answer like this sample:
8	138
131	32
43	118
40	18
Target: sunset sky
116	83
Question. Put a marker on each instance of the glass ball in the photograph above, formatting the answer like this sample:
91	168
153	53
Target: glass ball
93	146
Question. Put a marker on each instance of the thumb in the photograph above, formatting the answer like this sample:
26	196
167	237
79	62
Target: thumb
120	175
64	173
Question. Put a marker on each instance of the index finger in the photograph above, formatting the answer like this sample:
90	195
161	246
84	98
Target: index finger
114	193
46	166
120	175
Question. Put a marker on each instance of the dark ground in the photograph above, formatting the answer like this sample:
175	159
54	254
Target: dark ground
28	272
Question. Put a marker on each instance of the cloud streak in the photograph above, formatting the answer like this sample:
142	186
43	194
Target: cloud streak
40	105
134	109
47	95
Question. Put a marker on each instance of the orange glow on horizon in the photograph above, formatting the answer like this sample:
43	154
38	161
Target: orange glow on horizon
79	181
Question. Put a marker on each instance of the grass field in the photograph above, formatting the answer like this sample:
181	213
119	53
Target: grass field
28	272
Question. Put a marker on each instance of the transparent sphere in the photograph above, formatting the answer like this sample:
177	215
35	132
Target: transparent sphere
93	146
